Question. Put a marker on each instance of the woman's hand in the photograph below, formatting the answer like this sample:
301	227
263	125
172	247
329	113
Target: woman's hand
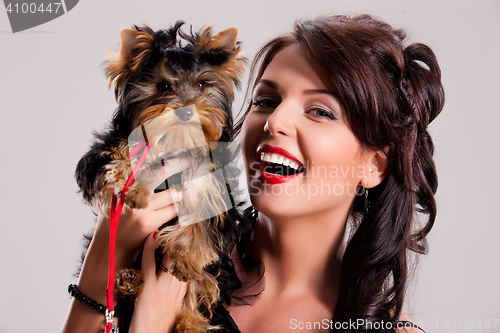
160	301
137	224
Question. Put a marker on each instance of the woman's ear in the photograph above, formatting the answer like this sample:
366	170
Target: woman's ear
377	167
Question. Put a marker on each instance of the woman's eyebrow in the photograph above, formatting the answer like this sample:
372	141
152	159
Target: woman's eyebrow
268	83
319	91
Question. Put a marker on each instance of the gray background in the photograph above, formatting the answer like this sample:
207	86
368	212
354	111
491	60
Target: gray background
53	93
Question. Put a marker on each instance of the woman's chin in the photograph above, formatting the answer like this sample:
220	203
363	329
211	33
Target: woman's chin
277	206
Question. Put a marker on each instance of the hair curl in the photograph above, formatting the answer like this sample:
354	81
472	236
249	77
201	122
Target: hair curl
390	94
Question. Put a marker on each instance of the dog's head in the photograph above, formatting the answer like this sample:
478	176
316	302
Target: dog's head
161	72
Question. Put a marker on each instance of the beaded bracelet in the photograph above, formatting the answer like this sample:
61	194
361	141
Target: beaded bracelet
74	292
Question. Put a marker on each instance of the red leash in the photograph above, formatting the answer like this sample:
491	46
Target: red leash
115	213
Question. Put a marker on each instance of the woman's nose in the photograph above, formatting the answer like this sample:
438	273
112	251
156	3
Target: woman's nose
281	121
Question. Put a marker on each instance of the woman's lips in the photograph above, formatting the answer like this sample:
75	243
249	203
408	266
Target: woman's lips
274	178
276	150
271	178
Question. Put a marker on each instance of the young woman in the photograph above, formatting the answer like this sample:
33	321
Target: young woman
334	139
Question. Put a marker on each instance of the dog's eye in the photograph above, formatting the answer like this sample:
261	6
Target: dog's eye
202	85
163	86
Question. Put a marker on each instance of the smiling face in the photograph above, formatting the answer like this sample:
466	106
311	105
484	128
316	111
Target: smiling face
300	154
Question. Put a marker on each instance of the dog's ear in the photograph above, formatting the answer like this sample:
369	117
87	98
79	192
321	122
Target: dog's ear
225	40
128	39
136	44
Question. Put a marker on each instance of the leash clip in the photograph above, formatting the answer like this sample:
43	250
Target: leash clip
109	320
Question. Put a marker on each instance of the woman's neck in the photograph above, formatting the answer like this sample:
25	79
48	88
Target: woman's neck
300	254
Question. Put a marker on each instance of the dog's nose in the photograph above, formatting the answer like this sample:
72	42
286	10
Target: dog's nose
184	114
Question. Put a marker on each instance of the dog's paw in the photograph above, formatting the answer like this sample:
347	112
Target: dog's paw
186	269
137	197
117	173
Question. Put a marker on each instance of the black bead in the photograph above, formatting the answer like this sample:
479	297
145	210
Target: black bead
74	292
71	289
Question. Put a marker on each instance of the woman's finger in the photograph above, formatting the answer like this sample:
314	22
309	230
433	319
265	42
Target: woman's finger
165	198
148	258
180	286
165	262
166	214
177	165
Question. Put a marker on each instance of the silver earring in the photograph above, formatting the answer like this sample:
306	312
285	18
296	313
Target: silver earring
362	192
367	203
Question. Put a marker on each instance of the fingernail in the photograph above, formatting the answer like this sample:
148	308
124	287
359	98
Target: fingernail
155	234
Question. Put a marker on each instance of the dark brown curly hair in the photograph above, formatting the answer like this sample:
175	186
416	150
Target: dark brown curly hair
390	93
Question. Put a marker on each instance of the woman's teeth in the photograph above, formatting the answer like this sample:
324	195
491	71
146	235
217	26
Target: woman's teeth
279	159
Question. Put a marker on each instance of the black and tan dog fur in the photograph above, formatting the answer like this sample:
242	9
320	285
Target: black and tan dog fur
155	74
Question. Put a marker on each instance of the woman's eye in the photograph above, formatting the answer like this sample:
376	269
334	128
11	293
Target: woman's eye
321	113
264	103
163	86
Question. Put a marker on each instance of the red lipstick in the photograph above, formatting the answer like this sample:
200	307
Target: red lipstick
277	150
270	178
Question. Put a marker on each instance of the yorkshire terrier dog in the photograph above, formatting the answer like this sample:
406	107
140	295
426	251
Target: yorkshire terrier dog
174	91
